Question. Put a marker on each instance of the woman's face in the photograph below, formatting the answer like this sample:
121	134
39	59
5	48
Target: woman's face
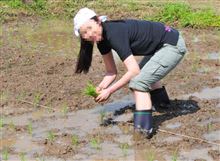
91	31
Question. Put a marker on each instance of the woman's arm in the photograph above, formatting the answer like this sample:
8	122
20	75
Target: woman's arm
111	71
132	70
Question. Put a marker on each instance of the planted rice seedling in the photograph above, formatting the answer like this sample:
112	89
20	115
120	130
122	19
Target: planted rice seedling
95	143
124	147
1	122
3	96
37	98
5	154
51	136
12	125
22	157
150	156
102	116
74	139
175	155
209	127
90	90
65	109
30	128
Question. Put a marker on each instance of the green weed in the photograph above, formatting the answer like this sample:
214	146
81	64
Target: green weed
90	90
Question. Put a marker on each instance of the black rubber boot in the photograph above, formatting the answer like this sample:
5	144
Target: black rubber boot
160	98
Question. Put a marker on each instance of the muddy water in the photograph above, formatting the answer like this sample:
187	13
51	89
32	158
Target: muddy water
86	122
206	93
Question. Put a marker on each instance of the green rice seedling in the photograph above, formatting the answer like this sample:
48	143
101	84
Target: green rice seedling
74	140
40	159
124	147
22	157
175	155
95	143
3	96
51	136
30	128
65	109
150	156
90	90
21	96
1	122
49	105
37	98
5	154
12	126
209	127
102	116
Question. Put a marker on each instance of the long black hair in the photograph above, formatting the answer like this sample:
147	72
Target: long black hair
84	59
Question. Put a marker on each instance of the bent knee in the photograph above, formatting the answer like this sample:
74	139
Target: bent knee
138	84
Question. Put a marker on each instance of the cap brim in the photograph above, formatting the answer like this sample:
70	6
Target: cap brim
76	33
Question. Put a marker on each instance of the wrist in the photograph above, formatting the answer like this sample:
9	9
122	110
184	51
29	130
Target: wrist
110	89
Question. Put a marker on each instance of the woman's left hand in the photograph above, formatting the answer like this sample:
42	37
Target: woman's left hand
103	96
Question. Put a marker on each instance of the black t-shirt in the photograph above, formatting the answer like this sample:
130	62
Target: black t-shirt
137	37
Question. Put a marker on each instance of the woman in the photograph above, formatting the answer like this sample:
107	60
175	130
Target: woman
162	47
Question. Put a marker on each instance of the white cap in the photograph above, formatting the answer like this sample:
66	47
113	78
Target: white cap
81	17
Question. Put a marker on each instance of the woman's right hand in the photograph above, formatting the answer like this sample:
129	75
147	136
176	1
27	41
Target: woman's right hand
98	90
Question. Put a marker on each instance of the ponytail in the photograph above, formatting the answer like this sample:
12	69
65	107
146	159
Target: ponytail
85	56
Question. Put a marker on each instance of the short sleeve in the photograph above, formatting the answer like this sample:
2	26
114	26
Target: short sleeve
103	47
119	40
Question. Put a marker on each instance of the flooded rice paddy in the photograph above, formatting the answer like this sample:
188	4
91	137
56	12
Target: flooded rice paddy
45	116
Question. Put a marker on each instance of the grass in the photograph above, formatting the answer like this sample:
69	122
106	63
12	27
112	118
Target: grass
175	13
90	90
5	154
183	15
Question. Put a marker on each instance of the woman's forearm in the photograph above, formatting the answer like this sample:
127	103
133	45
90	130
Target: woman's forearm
107	80
123	81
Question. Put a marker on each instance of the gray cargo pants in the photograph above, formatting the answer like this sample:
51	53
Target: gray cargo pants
155	67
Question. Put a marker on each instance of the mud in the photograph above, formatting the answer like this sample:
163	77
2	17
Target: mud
46	116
